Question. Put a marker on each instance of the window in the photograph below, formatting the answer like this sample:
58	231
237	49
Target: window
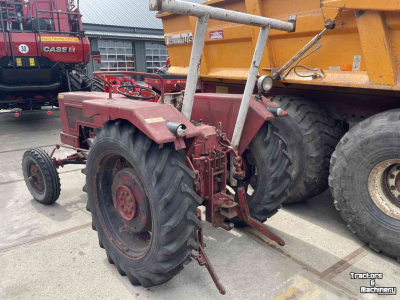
116	55
156	56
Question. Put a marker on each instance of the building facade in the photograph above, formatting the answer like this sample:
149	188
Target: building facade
128	35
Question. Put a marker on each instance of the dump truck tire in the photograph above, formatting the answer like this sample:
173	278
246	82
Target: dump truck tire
97	86
364	181
142	202
267	153
311	137
41	176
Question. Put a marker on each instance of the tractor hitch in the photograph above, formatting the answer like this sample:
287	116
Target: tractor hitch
208	158
78	158
244	214
203	260
242	210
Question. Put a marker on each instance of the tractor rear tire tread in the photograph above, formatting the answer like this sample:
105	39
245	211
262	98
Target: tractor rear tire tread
346	203
165	173
318	136
49	173
270	148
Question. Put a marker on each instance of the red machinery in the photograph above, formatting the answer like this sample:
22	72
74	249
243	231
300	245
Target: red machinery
43	51
161	87
127	86
149	166
171	83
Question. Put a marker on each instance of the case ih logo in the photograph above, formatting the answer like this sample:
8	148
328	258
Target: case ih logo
59	49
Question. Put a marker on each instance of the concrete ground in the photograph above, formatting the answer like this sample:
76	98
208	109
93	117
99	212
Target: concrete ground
51	252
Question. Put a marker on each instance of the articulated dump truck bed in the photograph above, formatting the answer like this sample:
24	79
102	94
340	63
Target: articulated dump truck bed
362	50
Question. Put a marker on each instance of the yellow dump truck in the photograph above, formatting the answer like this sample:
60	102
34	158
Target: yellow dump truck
337	76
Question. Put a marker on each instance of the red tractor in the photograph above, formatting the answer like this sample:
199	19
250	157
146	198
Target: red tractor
171	83
43	51
150	165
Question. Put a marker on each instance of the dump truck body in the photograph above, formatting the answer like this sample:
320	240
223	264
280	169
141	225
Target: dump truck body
360	52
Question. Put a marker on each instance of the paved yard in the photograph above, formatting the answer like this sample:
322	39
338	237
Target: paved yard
51	252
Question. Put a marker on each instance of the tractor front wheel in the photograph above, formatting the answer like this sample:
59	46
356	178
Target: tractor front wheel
41	176
142	203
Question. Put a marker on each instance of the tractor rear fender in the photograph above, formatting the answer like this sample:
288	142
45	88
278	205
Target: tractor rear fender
149	117
213	108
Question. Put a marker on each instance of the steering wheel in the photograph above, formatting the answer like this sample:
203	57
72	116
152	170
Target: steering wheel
138	96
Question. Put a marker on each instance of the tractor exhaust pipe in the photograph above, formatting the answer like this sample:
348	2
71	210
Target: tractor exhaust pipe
177	129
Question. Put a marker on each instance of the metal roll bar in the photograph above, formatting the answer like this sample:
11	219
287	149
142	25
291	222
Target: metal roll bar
204	13
199	10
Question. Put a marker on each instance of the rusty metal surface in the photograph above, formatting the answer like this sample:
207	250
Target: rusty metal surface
207	157
36	178
214	108
74	101
130	202
78	158
101	76
383	188
203	260
207	146
244	214
148	117
74	114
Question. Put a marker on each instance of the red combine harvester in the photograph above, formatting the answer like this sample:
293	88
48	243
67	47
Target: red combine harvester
149	166
43	51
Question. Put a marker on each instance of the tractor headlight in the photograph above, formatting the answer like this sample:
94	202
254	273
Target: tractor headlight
265	83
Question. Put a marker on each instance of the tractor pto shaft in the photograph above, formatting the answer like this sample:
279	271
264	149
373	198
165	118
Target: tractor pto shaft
199	10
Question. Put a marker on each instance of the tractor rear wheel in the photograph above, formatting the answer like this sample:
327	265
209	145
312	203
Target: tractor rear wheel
41	176
365	181
142	203
311	135
267	164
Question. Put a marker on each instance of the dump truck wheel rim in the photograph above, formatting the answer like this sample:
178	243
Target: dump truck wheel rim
35	177
130	228
384	187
